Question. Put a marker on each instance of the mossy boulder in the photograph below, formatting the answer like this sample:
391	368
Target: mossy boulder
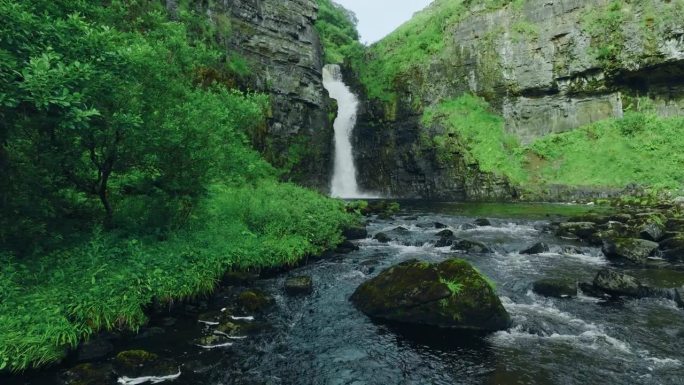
617	284
558	288
299	285
466	245
254	301
631	249
141	363
450	295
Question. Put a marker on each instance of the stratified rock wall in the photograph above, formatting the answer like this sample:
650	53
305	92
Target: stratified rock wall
282	48
546	66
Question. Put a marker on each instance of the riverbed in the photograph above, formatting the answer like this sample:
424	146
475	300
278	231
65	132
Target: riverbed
322	339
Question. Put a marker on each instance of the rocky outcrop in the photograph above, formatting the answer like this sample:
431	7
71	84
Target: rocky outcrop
546	66
450	295
282	50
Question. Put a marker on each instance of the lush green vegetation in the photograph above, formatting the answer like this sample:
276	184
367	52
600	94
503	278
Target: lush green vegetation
638	148
127	173
337	28
412	46
472	130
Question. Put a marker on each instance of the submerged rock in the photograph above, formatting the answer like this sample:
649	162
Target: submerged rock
440	225
451	294
254	301
557	288
617	284
631	249
382	238
93	349
346	247
140	363
537	248
445	233
445	242
89	374
299	285
355	232
470	246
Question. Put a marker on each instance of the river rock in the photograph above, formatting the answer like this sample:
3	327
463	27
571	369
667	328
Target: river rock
652	231
382	238
470	246
558	288
140	363
213	341
583	230
440	225
252	301
346	247
482	222
679	296
445	233
93	349
355	232
451	294
89	374
537	248
299	285
445	242
467	226
618	284
631	249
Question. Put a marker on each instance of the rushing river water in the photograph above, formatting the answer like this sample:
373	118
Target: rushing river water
322	339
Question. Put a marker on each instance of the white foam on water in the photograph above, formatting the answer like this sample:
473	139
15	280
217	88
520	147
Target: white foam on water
234	318
210	323
506	228
217	346
589	335
151	379
588	259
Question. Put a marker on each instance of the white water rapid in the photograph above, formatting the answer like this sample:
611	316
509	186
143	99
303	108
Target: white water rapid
344	183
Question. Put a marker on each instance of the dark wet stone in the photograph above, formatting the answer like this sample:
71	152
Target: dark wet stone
591	290
299	285
482	222
631	249
622	218
652	231
444	242
150	332
557	288
346	247
239	278
411	218
440	225
89	374
583	230
252	301
382	238
356	232
445	234
679	296
674	255
93	349
140	363
618	284
449	295
212	341
470	246
537	248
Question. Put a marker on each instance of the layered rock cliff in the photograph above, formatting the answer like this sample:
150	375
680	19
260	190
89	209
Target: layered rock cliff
545	66
281	50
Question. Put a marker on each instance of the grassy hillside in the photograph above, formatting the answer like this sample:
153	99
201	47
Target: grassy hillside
127	174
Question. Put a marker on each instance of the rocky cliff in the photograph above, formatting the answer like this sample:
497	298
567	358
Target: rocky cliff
546	66
282	52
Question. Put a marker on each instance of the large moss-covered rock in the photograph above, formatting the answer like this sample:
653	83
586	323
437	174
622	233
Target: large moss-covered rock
631	249
140	363
451	295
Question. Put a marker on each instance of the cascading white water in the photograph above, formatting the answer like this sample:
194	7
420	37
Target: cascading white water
344	183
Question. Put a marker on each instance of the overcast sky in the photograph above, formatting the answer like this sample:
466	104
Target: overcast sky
377	18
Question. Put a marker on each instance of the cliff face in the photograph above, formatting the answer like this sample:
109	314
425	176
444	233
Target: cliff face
546	66
282	50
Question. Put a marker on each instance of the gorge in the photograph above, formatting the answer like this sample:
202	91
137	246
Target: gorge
190	193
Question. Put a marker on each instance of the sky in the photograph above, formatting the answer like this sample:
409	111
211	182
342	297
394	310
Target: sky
377	18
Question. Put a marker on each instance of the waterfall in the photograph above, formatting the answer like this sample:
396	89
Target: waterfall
343	183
